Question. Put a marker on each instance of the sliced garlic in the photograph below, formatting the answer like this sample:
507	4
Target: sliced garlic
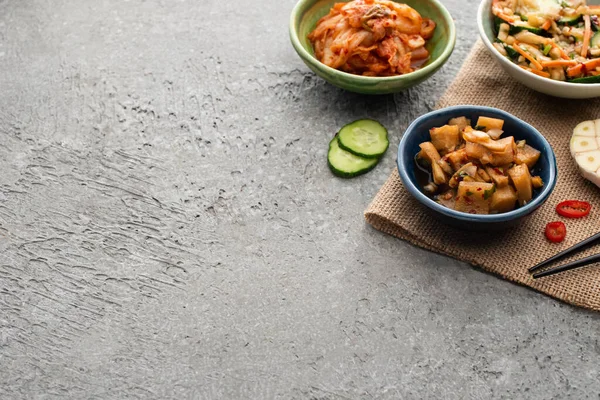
585	149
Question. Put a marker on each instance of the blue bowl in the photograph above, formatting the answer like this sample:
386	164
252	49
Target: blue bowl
418	132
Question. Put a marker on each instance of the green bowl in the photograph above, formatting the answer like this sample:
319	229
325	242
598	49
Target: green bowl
304	19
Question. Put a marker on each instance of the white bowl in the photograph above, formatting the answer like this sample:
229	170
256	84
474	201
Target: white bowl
485	23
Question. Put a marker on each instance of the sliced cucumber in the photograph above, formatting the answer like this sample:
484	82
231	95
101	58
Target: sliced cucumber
595	42
570	20
497	22
514	29
587	79
364	138
345	164
512	53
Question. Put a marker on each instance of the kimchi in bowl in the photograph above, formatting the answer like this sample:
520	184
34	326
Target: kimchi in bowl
307	13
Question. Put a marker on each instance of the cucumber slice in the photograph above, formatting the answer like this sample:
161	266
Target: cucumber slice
595	42
514	29
345	164
364	138
570	20
587	79
512	53
497	22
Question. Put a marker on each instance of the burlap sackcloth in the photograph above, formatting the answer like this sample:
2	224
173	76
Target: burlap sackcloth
509	253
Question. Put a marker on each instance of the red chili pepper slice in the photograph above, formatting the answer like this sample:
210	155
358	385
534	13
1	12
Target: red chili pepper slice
573	208
556	231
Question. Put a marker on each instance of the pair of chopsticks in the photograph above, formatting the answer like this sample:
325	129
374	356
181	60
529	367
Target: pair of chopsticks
569	266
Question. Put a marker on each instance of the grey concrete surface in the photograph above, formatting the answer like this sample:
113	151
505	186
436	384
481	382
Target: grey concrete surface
169	228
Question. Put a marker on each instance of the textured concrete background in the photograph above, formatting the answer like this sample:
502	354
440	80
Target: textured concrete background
169	227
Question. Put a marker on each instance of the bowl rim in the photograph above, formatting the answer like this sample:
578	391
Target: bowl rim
420	73
502	217
485	9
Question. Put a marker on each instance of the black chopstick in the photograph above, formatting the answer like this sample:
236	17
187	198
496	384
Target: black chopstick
566	267
563	253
